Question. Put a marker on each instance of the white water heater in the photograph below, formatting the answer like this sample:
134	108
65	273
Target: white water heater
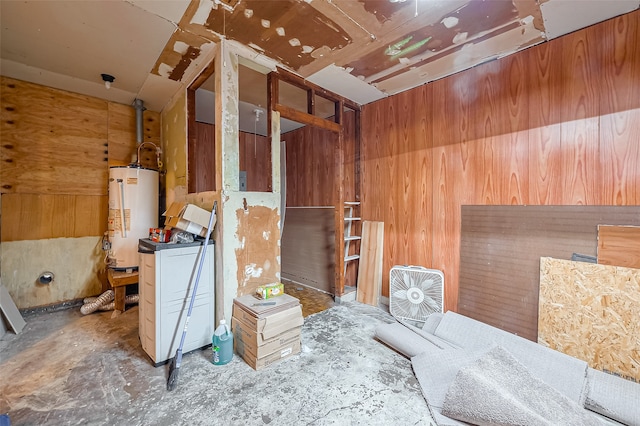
133	195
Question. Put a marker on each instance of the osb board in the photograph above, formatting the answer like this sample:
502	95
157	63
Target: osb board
41	216
122	136
53	142
619	245
370	266
308	247
591	312
500	248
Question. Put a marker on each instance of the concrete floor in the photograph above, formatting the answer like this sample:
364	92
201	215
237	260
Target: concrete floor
66	368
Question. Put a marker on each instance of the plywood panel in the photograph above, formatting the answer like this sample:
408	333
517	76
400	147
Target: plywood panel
53	142
370	265
202	158
619	245
617	84
591	312
308	247
310	167
620	110
34	217
500	250
397	175
579	114
255	159
122	134
454	168
545	102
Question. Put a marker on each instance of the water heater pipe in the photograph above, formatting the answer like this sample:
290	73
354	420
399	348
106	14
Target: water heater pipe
123	220
138	104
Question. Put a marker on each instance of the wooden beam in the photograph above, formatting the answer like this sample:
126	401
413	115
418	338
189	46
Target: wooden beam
339	112
370	265
272	96
300	82
304	118
204	76
338	192
356	161
311	102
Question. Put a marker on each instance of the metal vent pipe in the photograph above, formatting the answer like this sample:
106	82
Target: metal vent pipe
138	104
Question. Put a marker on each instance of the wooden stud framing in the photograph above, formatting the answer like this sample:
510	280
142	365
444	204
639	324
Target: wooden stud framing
309	118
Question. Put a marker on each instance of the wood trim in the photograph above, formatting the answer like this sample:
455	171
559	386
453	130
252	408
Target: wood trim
311	120
338	192
191	140
311	102
204	76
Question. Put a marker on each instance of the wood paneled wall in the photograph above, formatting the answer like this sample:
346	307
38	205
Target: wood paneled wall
310	171
500	251
255	159
56	151
310	167
558	123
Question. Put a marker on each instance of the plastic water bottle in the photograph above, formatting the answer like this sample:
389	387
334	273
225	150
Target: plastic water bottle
222	344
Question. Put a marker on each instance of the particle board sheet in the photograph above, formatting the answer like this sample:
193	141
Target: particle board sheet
619	245
591	312
500	251
308	247
370	266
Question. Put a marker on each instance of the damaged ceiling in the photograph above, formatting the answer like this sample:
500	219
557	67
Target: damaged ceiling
363	50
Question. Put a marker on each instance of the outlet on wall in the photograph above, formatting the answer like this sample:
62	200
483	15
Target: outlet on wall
243	180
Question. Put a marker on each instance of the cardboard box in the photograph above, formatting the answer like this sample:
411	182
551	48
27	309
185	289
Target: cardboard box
270	290
188	217
284	352
269	327
247	341
262	308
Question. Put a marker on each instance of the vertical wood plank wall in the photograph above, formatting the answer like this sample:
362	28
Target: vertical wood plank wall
310	170
310	167
255	159
56	150
556	124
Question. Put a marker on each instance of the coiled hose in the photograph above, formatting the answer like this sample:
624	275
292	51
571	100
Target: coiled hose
106	303
94	305
128	300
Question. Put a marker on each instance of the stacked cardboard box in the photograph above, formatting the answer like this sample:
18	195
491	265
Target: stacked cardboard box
266	331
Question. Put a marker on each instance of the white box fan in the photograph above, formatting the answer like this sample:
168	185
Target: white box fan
415	292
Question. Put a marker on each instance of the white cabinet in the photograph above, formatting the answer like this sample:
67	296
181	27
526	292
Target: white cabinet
167	272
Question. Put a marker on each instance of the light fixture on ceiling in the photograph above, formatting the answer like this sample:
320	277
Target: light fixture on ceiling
108	79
